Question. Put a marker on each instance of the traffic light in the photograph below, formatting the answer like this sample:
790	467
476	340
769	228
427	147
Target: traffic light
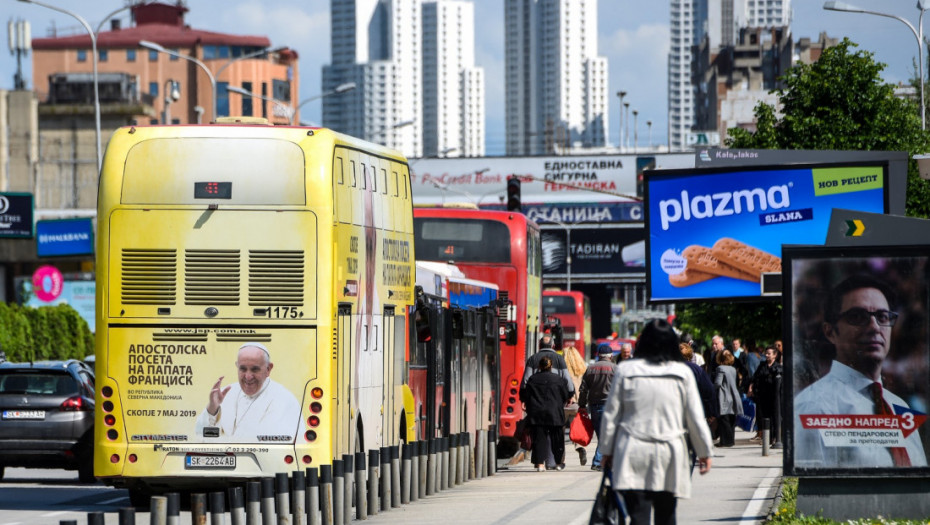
513	194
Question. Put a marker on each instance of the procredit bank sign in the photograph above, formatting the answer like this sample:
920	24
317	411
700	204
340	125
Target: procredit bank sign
569	189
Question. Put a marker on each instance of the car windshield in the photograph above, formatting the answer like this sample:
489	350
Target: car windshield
38	383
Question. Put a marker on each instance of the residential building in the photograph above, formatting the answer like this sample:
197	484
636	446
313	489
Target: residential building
377	45
556	94
453	88
720	21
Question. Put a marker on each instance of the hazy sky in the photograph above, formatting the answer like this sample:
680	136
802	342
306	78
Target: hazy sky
632	34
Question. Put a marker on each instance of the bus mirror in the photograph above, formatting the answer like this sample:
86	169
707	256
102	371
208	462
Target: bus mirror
458	320
421	324
510	333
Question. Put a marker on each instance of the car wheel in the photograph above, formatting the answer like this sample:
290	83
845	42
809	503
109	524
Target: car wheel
86	470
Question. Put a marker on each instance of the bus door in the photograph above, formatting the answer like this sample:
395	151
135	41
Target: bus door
435	371
343	427
388	402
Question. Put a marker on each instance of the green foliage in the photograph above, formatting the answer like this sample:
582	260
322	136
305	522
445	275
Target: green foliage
47	332
759	322
786	513
841	103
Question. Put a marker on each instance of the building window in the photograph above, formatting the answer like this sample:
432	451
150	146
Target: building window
82	55
153	89
281	90
222	99
102	55
175	57
247	100
130	55
153	55
264	102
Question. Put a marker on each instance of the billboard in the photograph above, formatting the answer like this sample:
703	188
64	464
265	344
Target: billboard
857	331
48	287
65	237
16	210
713	233
596	252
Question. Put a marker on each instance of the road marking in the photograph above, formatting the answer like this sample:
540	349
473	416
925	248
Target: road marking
759	497
56	513
114	500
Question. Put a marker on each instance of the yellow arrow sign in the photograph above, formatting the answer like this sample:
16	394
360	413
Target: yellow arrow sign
855	228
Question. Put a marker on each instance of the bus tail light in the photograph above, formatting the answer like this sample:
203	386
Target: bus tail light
112	434
313	421
310	435
106	391
316	407
307	460
288	459
109	420
107	406
317	392
132	458
114	458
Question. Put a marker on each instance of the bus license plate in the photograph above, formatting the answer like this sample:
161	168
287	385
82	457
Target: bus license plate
23	414
202	461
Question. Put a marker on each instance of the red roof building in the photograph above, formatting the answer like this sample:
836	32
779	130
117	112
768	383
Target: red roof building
153	74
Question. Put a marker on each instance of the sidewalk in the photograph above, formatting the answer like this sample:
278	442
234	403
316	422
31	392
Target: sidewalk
739	488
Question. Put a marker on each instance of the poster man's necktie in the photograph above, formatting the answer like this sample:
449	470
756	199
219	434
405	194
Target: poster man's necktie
899	454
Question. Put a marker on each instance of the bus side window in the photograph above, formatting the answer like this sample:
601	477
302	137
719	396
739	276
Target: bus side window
405	186
364	176
340	171
352	163
384	187
396	188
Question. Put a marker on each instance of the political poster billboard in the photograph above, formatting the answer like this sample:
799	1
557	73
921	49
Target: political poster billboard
857	360
713	233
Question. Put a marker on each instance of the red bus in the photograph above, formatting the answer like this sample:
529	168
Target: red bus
503	248
574	311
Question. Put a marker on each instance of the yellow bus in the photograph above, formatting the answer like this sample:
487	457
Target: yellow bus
253	290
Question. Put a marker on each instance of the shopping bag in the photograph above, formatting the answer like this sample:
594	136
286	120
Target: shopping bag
582	429
746	420
609	508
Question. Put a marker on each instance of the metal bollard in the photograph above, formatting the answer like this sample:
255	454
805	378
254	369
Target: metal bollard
405	464
199	509
236	506
492	451
395	476
339	492
470	447
174	508
217	508
423	468
253	503
385	479
299	497
431	469
95	518
326	493
463	455
414	471
374	463
442	476
67	522
127	516
766	435
282	486
361	486
158	510
459	459
268	517
348	461
453	459
313	496
480	445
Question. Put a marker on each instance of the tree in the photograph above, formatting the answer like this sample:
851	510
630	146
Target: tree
841	103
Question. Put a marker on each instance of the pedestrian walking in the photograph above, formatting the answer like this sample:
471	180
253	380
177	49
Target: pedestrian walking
576	369
653	409
729	400
593	391
764	389
544	395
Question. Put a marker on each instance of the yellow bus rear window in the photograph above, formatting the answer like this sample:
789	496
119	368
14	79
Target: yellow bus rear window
257	171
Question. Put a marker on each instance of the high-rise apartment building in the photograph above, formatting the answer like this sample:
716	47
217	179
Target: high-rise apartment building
556	96
453	88
720	21
377	45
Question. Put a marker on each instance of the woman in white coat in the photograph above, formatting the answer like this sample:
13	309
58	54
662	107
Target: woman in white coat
653	408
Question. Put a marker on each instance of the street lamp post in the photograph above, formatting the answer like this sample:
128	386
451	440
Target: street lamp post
621	94
649	127
289	111
171	95
341	88
626	121
635	130
918	34
157	47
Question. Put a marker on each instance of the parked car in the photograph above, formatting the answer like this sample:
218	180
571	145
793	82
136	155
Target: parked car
47	416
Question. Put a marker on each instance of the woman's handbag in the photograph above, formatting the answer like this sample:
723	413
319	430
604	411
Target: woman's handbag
609	508
522	433
582	429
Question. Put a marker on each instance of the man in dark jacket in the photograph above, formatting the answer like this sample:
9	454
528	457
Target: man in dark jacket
764	389
593	392
546	349
544	395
